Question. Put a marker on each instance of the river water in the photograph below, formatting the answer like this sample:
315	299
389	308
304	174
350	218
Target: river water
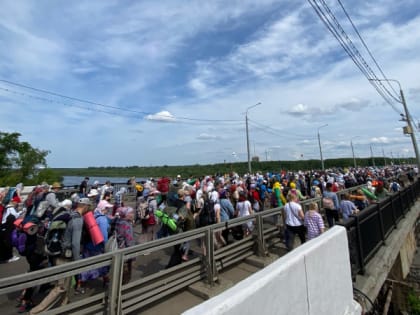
76	180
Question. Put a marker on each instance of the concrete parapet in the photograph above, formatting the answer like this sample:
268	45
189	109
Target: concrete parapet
313	279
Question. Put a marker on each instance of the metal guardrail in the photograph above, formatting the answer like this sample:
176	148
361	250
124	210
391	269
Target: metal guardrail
122	298
368	230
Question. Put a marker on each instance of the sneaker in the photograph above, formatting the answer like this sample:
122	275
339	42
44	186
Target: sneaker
79	291
14	258
25	307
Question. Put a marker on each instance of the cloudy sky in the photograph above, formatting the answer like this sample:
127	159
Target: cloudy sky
122	83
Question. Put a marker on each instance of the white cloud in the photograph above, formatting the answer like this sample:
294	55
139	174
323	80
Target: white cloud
206	136
299	110
380	140
164	116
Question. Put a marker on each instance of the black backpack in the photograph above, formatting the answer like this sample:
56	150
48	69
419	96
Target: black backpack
207	215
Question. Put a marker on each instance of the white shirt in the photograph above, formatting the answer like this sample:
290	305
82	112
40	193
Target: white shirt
243	207
214	196
8	211
291	210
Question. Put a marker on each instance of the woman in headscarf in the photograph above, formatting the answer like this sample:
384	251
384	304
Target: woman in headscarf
90	249
125	236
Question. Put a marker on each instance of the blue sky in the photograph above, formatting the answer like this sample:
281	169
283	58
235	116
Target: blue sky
169	81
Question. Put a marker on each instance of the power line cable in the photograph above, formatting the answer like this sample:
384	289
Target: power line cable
356	55
367	48
354	52
338	32
111	107
276	132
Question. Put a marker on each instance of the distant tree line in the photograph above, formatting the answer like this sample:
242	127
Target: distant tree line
223	168
22	163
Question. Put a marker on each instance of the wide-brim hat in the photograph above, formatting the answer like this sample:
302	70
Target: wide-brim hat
93	192
56	185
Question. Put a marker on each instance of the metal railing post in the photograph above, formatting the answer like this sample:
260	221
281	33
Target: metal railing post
360	247
260	237
394	216
114	290
381	222
209	241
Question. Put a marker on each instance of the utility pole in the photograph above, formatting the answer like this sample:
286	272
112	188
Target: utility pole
410	126
247	135
320	148
371	154
409	129
352	151
383	154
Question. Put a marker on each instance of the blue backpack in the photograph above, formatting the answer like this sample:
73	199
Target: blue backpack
9	195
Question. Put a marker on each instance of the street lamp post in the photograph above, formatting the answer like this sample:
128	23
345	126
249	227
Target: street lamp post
407	117
352	151
320	149
371	155
247	135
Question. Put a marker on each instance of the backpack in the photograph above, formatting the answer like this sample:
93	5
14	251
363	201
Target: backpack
163	185
274	201
327	203
25	236
39	206
9	196
147	216
30	200
169	218
19	238
55	234
207	215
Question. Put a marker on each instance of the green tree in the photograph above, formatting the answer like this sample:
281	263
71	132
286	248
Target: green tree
19	161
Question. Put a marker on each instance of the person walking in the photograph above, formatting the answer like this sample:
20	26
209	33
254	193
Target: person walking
330	204
293	219
313	221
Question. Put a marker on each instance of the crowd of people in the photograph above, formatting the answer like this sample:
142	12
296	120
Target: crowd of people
94	215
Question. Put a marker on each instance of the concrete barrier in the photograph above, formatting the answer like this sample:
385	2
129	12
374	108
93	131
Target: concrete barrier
313	279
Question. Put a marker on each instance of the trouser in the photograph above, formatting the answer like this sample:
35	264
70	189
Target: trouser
127	267
175	257
149	233
225	235
35	263
6	247
290	235
332	216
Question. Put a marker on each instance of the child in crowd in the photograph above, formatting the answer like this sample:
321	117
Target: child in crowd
313	221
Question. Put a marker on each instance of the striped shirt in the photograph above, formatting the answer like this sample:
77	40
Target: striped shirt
314	223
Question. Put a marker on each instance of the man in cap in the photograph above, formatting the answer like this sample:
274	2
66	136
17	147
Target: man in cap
83	187
73	233
51	196
71	244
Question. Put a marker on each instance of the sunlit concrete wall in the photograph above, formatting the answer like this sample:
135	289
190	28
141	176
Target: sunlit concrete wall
314	279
